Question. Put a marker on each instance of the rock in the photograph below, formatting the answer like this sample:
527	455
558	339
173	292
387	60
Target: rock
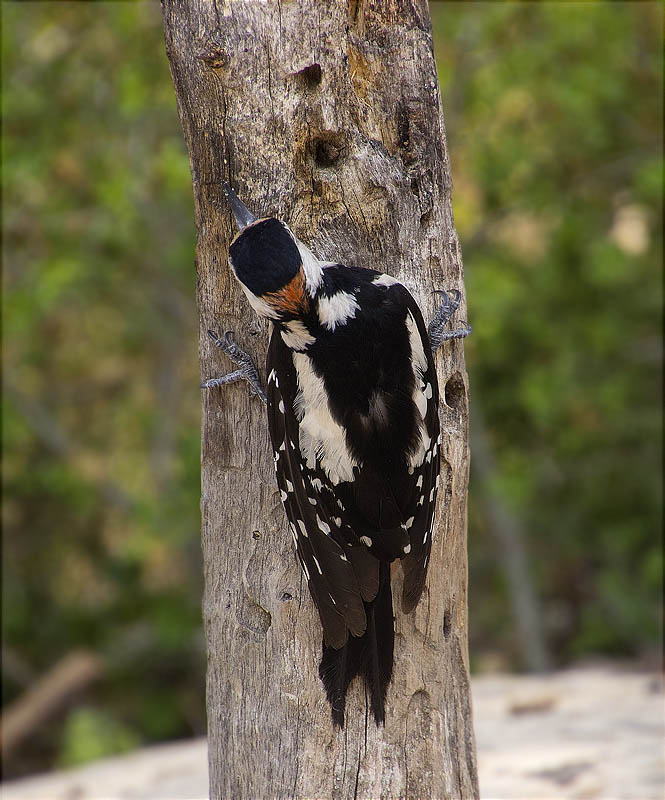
579	733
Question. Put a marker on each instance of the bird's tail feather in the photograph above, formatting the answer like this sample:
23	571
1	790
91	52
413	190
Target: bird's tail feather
370	655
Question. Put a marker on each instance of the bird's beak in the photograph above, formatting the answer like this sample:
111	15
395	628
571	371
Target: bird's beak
242	214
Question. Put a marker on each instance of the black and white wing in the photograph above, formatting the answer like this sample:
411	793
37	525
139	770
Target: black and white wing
340	573
342	529
422	488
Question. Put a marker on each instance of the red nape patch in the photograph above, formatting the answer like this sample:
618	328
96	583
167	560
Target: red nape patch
292	298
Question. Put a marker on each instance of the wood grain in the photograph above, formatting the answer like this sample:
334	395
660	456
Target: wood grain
327	115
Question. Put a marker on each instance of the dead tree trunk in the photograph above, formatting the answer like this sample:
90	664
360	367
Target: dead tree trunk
328	116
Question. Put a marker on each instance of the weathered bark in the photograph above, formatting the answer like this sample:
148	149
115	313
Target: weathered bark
328	116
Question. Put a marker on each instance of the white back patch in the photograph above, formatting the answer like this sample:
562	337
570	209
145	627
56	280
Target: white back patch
384	280
337	309
320	436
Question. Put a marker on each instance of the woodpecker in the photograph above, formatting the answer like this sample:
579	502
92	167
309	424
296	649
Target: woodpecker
352	400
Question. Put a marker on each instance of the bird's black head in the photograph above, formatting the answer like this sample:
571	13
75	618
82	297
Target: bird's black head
266	259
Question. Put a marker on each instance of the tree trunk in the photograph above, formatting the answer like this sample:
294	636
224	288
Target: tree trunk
328	116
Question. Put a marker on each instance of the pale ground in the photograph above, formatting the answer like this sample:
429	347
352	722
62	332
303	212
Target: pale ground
582	733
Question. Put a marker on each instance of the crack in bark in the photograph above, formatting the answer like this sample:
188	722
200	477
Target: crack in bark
297	760
360	208
272	102
219	21
279	11
343	198
355	789
406	752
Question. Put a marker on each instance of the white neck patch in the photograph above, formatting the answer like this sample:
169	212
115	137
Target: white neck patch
296	336
262	308
311	267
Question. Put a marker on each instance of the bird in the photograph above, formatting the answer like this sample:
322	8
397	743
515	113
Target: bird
352	404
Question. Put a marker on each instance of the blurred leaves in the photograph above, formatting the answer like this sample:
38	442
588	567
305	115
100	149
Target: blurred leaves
92	733
554	121
101	405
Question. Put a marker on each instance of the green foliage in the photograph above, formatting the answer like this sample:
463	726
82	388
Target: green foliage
554	121
91	733
101	408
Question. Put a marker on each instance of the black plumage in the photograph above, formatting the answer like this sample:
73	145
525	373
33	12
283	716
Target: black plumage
362	494
353	417
265	255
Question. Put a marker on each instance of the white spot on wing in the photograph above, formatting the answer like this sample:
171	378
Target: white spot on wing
418	457
302	527
421	403
407	549
366	541
419	364
323	526
408	523
337	309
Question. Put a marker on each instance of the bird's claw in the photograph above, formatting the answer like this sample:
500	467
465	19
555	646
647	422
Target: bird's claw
448	302
247	371
448	306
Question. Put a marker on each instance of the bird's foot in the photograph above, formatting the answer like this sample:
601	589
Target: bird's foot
247	371
436	332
